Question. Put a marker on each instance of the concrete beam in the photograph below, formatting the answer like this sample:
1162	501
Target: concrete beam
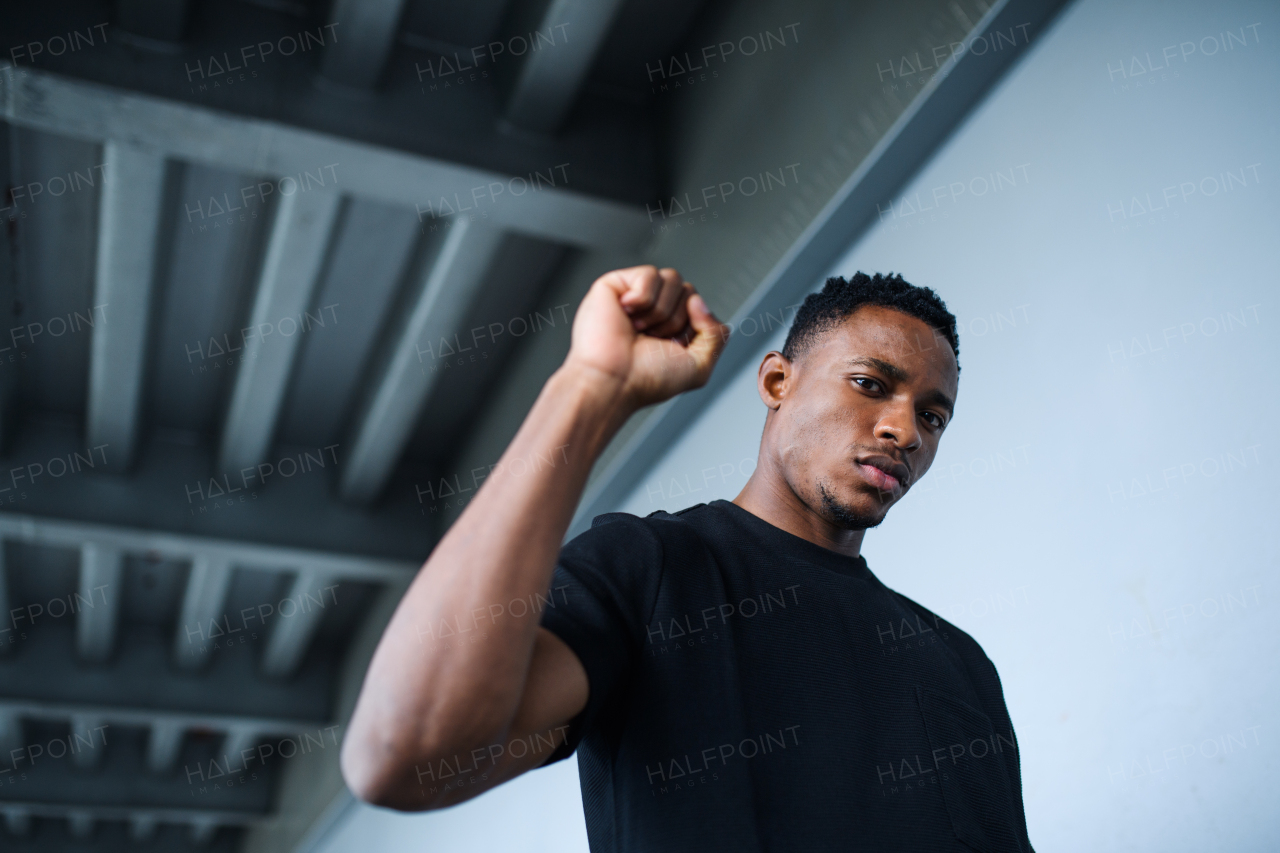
17	820
292	635
366	31
71	534
93	728
101	573
124	278
80	823
164	745
386	422
291	269
170	720
142	827
256	146
202	603
11	736
236	740
551	77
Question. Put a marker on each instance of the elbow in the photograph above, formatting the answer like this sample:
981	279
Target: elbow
378	781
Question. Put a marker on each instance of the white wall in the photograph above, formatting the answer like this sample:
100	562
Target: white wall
1097	515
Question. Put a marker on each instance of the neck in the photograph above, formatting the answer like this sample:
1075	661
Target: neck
769	496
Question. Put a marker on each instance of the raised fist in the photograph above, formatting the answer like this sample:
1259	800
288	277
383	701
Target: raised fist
648	328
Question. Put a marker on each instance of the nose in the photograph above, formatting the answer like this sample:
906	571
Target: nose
898	424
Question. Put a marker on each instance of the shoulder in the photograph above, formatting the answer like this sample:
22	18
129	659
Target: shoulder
959	639
622	532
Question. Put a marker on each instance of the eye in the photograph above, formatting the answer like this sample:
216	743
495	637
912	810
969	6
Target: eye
868	384
935	420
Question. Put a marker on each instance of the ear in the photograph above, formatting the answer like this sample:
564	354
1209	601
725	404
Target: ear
773	379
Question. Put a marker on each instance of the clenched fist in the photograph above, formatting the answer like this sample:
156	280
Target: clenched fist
649	329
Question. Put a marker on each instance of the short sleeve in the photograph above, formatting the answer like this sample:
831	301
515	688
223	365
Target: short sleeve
604	589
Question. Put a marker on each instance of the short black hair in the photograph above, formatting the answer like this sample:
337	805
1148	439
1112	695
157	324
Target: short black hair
823	311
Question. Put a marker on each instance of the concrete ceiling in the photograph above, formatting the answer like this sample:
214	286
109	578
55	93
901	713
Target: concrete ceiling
279	277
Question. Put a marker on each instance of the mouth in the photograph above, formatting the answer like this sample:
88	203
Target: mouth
883	473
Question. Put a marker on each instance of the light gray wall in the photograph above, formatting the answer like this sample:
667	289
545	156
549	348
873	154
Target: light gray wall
1100	515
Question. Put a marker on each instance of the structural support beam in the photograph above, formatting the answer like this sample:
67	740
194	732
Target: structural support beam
80	823
71	534
292	634
164	744
128	229
94	730
386	422
10	733
202	604
551	77
293	264
236	741
142	827
17	820
365	31
101	572
73	107
955	89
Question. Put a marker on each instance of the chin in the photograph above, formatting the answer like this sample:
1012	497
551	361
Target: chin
861	512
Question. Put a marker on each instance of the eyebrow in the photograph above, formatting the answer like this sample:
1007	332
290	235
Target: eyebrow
897	374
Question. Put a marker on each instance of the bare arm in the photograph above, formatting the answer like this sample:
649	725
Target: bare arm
639	337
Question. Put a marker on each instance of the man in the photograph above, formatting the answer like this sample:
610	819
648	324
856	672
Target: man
733	676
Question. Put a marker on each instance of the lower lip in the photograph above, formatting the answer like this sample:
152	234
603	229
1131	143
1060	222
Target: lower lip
878	478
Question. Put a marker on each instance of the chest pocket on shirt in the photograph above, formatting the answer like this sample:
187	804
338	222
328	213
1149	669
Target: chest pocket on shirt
969	754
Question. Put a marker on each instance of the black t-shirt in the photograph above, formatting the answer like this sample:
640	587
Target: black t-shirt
751	691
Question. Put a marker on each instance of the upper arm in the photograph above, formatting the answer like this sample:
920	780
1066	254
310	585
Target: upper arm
555	692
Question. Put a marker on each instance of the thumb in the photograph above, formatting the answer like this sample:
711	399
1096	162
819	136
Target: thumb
710	335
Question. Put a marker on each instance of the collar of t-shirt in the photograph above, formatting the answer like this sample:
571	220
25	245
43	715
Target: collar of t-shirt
789	543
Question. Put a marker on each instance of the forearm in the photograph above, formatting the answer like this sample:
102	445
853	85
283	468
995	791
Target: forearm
427	694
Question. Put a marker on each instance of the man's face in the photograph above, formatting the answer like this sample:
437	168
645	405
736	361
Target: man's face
860	413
